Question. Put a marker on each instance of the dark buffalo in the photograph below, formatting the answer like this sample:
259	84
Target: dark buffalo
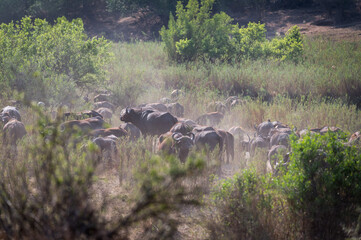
258	142
13	112
106	113
165	100
176	143
154	106
104	104
85	125
199	128
133	132
181	127
278	124
264	128
189	122
280	138
108	148
288	131
149	122
118	132
176	109
212	119
13	130
228	141
210	140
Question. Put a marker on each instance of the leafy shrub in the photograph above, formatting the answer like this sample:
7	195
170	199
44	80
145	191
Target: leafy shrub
198	34
34	53
248	206
321	184
288	48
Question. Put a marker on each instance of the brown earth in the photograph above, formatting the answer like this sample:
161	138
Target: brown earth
145	25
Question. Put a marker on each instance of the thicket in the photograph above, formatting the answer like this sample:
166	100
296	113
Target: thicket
315	195
321	184
49	62
197	34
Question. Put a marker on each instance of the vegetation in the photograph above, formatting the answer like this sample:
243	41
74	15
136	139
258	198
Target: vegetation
49	190
57	186
41	59
328	70
314	195
319	184
196	34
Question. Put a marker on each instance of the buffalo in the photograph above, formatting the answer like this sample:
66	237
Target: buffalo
280	138
264	128
85	125
106	113
209	139
13	130
133	132
13	112
240	137
154	106
165	100
212	118
258	142
150	122
176	143
176	109
108	148
104	104
118	132
189	122
181	127
228	141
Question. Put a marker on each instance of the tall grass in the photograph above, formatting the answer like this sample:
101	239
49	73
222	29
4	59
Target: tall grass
329	69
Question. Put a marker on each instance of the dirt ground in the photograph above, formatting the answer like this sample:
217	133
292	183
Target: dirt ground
145	26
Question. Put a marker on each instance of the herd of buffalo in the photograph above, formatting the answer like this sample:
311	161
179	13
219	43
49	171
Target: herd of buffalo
176	135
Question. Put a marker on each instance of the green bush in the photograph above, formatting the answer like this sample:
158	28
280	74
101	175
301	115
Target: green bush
197	34
321	184
246	208
34	53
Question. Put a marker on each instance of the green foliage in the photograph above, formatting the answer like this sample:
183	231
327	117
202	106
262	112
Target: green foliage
321	183
198	34
288	48
248	207
38	54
